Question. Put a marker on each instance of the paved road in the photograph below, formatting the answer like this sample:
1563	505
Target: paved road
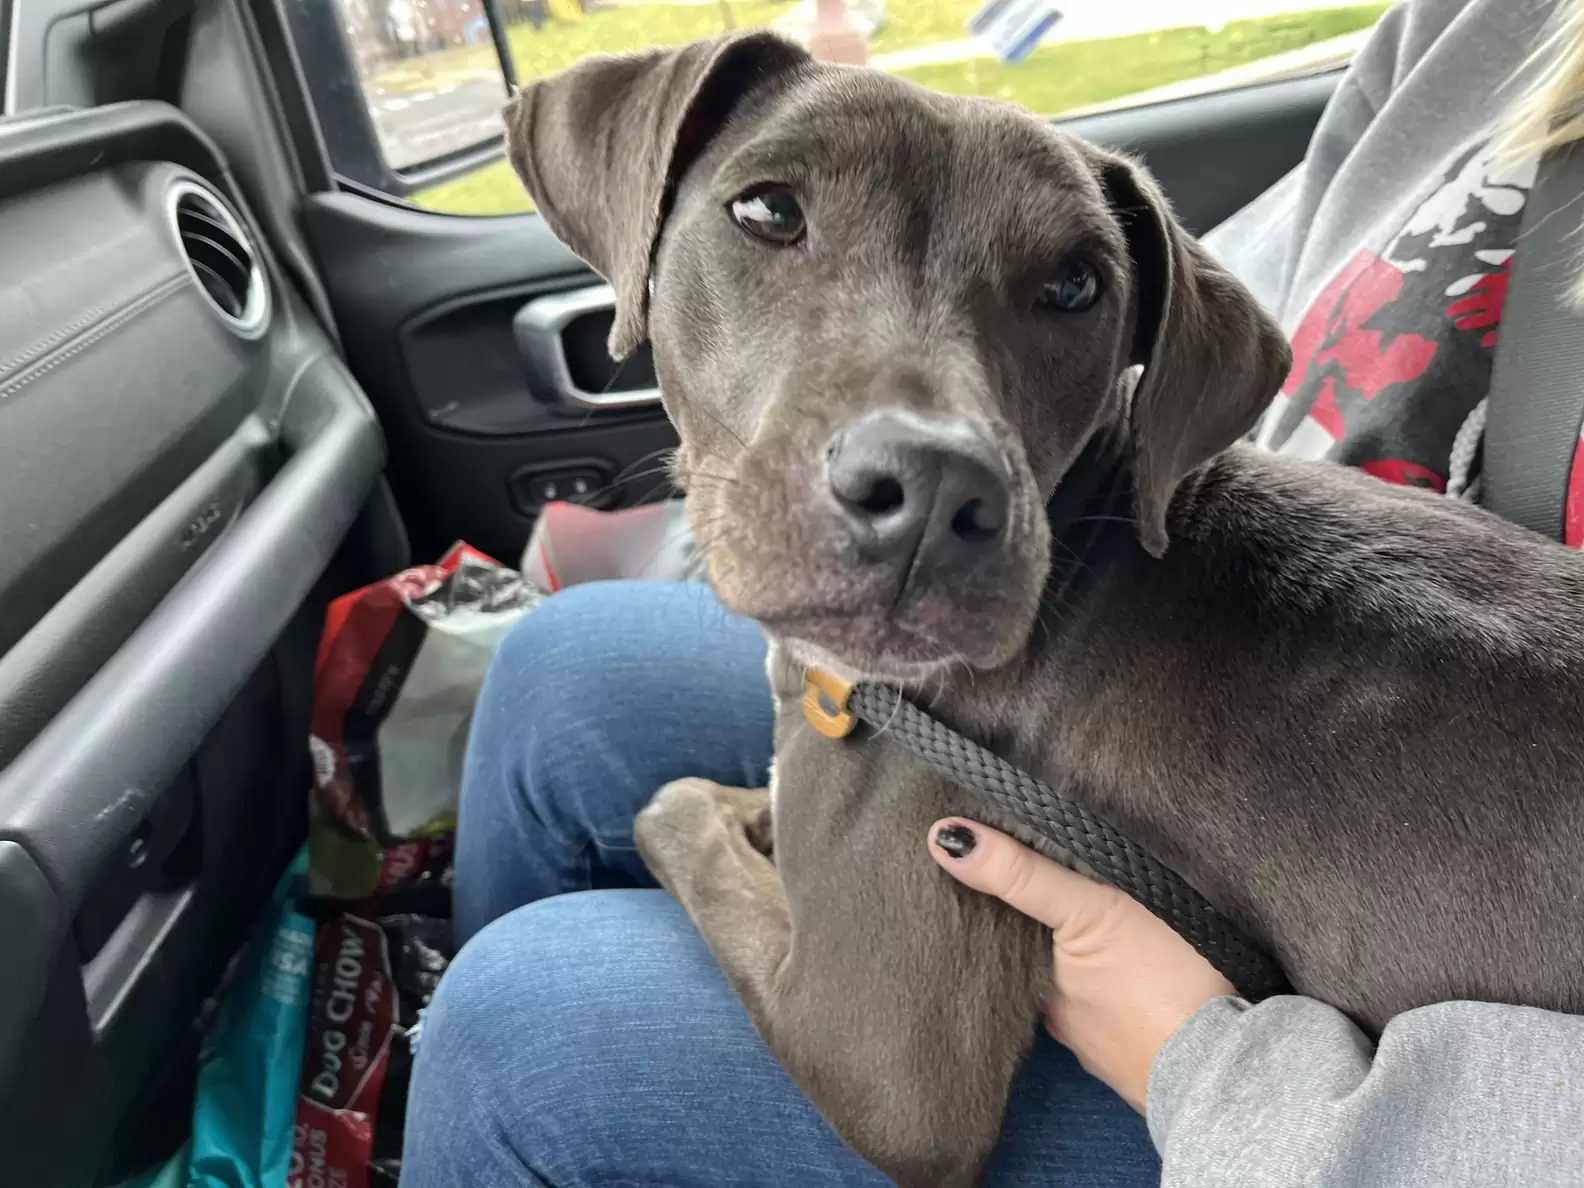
464	111
427	124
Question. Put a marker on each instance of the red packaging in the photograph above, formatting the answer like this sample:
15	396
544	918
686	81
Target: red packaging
352	1097
399	667
351	1026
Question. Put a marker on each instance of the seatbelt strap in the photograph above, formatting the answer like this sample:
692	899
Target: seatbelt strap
835	708
1536	404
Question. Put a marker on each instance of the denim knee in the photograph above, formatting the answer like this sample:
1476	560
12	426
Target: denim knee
595	700
590	1040
533	665
518	1071
461	1124
608	690
543	712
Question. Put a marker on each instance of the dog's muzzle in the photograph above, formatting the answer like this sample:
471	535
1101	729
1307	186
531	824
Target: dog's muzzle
914	495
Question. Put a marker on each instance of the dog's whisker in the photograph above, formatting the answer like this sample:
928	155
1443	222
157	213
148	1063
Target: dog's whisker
703	407
672	534
621	481
651	456
1044	625
1099	518
896	710
626	474
722	480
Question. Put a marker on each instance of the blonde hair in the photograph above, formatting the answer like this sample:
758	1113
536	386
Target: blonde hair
1550	113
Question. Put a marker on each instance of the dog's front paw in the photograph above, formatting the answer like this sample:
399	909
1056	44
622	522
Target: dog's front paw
675	827
688	817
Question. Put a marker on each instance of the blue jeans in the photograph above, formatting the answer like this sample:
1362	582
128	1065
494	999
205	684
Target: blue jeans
589	1039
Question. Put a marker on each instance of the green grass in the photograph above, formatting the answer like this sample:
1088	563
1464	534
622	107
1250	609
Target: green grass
923	22
493	190
558	45
631	27
1075	74
1052	80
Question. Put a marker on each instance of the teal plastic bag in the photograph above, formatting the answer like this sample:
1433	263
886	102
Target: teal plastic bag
172	1175
247	1083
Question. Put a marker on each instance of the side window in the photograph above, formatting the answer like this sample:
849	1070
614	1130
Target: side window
7	15
409	91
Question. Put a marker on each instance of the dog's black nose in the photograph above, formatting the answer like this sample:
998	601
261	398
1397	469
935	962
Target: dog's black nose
906	487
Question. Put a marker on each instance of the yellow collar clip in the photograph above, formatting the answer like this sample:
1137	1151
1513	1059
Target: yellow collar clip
825	699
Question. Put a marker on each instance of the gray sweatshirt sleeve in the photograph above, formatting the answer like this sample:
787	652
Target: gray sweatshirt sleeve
1290	1092
1295	226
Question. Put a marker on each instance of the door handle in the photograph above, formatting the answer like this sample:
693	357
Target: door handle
540	330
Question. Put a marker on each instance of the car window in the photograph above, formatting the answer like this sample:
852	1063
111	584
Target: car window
7	67
429	79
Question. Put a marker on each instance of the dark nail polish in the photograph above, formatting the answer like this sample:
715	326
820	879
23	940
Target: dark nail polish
957	840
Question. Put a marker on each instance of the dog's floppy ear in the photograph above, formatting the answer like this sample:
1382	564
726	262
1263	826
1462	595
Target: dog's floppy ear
600	146
1213	358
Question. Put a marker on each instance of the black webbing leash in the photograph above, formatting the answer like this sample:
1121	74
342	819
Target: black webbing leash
1095	494
835	708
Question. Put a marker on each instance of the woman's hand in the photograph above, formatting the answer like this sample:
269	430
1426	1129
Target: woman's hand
1124	981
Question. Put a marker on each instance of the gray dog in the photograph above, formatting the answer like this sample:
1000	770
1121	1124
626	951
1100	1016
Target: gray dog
900	336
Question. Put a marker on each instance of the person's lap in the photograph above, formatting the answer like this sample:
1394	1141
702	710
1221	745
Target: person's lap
600	696
585	1039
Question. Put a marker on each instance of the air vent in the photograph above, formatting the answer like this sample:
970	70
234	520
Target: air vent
221	258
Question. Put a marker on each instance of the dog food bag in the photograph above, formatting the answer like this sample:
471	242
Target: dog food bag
371	980
399	668
373	879
247	1081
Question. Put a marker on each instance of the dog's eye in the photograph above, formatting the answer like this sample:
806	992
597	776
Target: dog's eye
770	213
1075	289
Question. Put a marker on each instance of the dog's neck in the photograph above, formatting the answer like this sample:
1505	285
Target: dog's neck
1091	508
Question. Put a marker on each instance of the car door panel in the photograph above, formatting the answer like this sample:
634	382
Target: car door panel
178	470
427	307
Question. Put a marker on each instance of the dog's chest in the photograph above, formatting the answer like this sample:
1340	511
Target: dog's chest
781	678
787	678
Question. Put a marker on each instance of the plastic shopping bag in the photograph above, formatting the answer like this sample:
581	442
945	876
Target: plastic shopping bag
247	1082
399	668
